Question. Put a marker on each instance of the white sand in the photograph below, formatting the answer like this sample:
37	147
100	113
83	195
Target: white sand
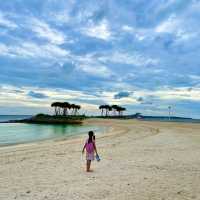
140	160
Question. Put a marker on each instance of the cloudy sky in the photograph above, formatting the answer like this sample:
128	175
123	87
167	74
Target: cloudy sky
141	54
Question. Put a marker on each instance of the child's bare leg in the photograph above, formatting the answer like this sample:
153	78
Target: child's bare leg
88	165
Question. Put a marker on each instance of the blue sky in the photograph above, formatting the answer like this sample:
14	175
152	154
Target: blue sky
140	54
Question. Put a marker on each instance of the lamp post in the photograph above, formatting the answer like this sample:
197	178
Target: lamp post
169	107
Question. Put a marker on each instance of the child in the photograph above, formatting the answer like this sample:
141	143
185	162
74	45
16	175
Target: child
90	147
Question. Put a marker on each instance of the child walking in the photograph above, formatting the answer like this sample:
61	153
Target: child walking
90	147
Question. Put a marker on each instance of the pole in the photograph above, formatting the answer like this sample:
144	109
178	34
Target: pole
169	112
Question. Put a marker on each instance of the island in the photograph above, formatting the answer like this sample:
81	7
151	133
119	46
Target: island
50	119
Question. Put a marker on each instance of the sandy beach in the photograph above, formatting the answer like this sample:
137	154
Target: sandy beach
140	161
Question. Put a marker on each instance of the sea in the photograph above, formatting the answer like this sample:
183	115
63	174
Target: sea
172	119
18	133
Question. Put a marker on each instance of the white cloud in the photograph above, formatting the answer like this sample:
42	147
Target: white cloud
6	22
128	28
168	26
194	77
133	58
60	17
100	31
43	30
90	64
140	34
98	70
33	50
3	50
183	93
180	27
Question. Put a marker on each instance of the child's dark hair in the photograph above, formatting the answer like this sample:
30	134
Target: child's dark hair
91	136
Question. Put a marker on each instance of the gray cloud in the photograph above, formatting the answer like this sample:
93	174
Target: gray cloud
121	95
37	95
140	99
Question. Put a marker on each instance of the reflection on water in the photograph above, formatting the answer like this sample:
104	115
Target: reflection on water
62	129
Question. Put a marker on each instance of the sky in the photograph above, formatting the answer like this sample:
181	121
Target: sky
140	54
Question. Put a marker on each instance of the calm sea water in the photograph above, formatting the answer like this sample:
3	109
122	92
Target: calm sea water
15	133
4	118
172	120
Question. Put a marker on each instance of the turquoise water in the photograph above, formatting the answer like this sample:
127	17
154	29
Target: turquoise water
15	133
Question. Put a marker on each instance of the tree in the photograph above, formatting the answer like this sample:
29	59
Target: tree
77	107
118	109
59	106
102	107
121	110
55	105
107	108
65	107
73	107
138	115
114	108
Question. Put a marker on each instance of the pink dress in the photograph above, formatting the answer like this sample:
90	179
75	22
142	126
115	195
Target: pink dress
89	150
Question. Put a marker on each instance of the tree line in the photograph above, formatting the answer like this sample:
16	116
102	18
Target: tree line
65	108
106	109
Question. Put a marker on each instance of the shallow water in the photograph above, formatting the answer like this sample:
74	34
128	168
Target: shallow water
15	133
4	118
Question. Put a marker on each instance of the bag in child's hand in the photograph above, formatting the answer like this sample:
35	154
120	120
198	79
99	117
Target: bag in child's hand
98	158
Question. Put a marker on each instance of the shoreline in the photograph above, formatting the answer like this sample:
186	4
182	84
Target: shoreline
100	130
140	160
98	122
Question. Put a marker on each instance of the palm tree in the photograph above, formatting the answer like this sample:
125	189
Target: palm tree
102	107
73	107
65	106
122	109
59	106
118	109
55	105
114	107
77	107
108	108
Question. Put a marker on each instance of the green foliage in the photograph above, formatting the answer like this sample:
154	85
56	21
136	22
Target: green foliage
55	119
114	108
63	108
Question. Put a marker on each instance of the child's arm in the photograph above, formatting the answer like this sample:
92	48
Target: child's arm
83	149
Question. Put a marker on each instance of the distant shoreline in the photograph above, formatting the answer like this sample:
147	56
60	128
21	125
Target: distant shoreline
78	119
